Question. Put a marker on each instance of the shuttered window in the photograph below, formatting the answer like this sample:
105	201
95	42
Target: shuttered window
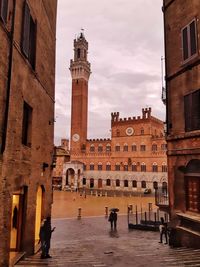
4	10
189	40
192	111
29	36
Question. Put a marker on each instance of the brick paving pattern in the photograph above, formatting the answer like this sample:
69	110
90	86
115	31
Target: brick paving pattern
90	243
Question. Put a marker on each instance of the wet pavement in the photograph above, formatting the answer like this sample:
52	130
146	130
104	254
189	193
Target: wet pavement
89	242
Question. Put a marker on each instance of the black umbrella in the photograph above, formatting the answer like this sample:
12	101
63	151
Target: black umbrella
114	209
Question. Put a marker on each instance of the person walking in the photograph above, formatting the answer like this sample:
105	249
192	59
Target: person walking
113	219
163	230
45	237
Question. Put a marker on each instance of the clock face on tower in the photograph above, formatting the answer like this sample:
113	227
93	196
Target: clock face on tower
75	137
129	131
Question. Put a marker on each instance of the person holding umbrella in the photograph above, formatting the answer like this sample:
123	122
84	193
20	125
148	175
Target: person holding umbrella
113	218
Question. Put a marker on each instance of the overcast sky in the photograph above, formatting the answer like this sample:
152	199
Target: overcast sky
125	48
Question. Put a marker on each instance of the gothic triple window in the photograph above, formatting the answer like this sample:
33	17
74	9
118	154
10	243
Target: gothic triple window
100	148
134	167
108	148
92	148
117	148
142	148
154	167
117	167
143	167
108	166
125	147
134	147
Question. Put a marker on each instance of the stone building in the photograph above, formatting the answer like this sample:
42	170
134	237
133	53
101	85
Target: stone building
27	79
61	155
182	28
134	159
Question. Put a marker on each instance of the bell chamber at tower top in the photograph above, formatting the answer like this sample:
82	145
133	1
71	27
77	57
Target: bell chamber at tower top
79	66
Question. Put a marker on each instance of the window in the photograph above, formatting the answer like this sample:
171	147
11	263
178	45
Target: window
189	40
99	166
154	167
117	167
125	147
29	36
163	147
142	148
100	148
143	184
91	166
125	167
164	167
108	182
117	148
84	181
4	10
143	167
117	183
125	183
92	148
134	183
91	182
27	125
108	167
134	167
134	148
192	111
154	147
108	148
155	185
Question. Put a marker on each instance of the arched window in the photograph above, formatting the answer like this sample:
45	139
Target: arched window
143	184
108	182
91	166
117	183
125	147
164	167
154	147
92	148
117	148
154	167
143	167
155	185
134	183
84	181
134	167
134	147
117	166
125	166
91	182
142	148
100	148
108	166
108	148
99	166
142	131
125	183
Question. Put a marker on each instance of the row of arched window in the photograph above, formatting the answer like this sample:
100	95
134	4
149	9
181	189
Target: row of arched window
124	183
126	148
125	167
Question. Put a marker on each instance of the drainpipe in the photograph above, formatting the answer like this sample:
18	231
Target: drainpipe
10	63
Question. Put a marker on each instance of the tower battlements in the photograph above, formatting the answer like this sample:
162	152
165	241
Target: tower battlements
146	114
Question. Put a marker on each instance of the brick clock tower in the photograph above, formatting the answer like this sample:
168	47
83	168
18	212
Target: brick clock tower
80	72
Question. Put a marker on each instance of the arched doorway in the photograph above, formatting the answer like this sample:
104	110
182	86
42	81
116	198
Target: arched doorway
70	178
192	183
38	211
100	183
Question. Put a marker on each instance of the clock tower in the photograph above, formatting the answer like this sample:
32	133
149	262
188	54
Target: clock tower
80	72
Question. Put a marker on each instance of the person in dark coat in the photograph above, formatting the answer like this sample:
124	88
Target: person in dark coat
113	219
163	230
45	237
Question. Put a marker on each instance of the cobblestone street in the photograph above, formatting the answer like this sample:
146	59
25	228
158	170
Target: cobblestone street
89	242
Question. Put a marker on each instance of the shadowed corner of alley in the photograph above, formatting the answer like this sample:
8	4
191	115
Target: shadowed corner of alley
66	204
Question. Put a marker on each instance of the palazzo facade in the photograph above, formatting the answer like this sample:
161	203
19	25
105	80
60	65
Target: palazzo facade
133	159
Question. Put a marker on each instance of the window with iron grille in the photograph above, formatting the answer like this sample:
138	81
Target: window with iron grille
27	125
29	36
192	111
4	10
189	40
